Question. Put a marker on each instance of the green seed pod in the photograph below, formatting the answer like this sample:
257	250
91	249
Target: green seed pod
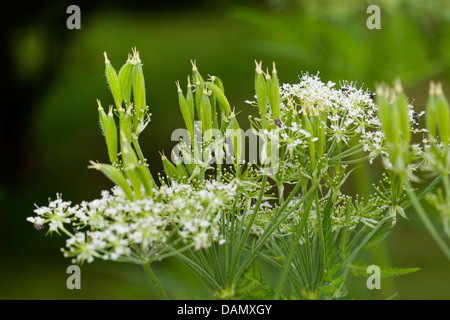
111	136
198	97
235	133
125	82
195	73
169	168
138	87
186	112
102	116
274	94
190	98
311	144
217	82
431	116
401	103
130	164
442	111
219	94
261	94
113	81
146	178
384	111
205	107
125	122
182	172
213	101
115	175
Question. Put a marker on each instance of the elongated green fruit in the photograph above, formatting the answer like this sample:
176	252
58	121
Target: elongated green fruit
146	179
170	169
138	87
218	83
261	94
401	102
198	97
130	162
113	82
311	144
111	136
182	172
220	95
125	81
109	131
190	98
188	116
125	122
384	110
442	111
274	93
431	112
195	72
236	136
197	82
102	116
205	107
115	175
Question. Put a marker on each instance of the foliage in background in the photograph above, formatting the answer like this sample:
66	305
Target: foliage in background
412	43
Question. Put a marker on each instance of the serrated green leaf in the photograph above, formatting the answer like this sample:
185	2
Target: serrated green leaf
252	287
359	268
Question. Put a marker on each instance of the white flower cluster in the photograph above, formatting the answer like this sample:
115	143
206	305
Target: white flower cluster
115	228
349	110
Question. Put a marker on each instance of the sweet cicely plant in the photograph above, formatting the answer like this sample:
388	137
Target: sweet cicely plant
222	206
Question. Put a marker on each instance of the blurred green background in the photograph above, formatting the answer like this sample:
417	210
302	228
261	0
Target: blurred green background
50	128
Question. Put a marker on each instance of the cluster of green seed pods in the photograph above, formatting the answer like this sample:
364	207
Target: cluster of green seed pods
205	103
267	90
393	112
131	115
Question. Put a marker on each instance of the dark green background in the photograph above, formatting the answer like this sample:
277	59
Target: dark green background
50	128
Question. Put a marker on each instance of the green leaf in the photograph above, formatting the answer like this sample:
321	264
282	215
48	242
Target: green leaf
252	287
378	236
359	268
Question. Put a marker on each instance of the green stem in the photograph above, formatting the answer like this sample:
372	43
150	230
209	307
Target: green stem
426	221
147	267
280	187
298	234
238	252
273	225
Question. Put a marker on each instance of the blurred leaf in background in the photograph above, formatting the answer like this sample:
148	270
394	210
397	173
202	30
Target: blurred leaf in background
412	43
